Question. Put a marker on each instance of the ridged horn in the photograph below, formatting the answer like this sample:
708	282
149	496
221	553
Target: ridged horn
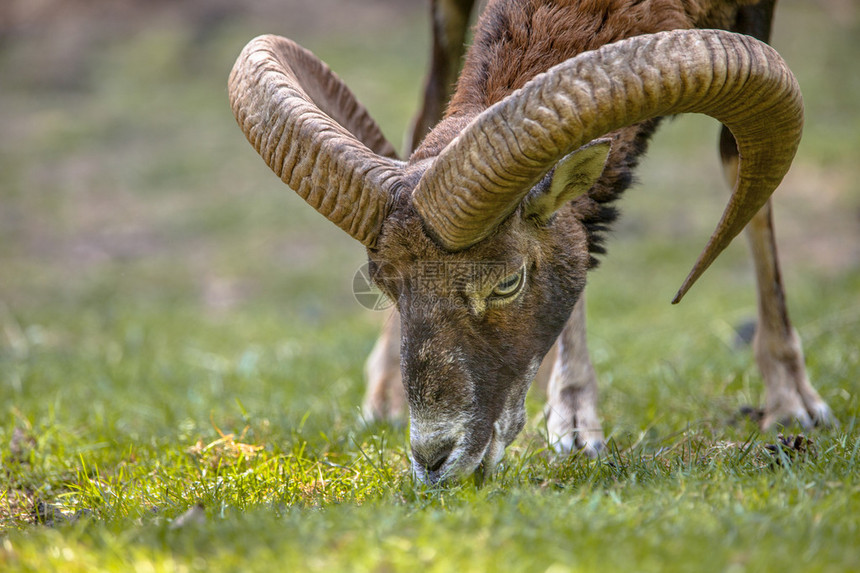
481	176
312	132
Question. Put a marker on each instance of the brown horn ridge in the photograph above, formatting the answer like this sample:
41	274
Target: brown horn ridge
312	132
482	175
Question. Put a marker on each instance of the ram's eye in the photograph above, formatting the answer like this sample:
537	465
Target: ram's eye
510	285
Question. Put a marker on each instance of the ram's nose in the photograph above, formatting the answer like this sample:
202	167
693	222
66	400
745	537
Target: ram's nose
430	459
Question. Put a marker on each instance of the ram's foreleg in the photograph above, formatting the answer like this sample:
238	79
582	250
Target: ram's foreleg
385	397
571	410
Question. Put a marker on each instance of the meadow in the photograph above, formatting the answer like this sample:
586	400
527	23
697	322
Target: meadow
181	353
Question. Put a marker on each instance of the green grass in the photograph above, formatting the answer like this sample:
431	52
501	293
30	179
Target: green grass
181	357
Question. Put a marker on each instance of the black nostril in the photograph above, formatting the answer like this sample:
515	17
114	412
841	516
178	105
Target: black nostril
438	463
436	458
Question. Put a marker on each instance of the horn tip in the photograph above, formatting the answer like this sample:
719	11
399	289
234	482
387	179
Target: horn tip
697	271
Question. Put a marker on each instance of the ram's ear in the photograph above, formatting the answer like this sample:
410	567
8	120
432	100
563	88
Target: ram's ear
574	175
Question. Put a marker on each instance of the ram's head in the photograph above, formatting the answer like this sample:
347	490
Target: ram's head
481	245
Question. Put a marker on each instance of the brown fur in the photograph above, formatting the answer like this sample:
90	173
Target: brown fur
516	40
466	363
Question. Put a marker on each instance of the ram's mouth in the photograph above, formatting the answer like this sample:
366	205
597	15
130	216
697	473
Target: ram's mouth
462	463
458	465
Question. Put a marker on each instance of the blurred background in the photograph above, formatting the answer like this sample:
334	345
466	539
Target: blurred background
127	188
122	171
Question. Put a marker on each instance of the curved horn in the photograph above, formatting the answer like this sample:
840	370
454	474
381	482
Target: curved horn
479	178
313	133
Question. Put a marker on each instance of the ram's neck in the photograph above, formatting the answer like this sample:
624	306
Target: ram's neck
515	40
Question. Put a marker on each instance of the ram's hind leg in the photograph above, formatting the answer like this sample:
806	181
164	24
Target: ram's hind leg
777	348
571	412
789	395
778	351
450	22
